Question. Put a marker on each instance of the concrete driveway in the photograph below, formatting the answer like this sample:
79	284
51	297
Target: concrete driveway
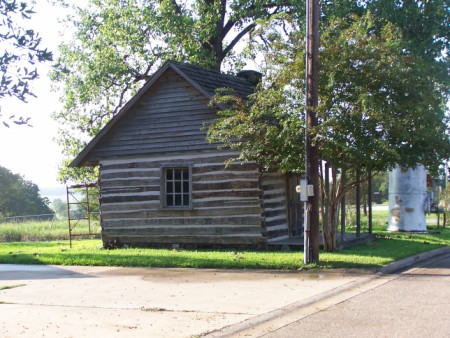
56	301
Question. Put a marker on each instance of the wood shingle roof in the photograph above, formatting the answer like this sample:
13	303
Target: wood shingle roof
210	80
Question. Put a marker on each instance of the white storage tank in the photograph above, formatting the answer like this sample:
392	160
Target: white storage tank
407	199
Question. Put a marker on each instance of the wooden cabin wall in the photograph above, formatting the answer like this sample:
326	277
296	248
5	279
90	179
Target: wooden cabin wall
171	118
167	126
275	207
226	203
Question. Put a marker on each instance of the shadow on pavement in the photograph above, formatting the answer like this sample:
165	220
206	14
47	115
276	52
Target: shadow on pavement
30	272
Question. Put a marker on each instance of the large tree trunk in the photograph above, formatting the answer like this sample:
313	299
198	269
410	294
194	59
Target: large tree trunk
330	235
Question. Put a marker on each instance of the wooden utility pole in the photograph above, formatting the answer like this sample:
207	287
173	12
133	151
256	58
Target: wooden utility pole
312	233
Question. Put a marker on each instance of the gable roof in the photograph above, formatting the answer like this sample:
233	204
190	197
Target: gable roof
204	80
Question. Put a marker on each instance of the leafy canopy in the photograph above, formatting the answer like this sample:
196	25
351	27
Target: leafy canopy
383	90
380	102
118	44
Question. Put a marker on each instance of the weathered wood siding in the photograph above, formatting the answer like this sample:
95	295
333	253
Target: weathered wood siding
169	119
275	208
167	126
226	203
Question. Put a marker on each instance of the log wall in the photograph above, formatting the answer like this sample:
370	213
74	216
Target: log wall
167	127
226	203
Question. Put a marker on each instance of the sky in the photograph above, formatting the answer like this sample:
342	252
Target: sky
32	151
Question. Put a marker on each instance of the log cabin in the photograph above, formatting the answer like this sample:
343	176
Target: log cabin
163	184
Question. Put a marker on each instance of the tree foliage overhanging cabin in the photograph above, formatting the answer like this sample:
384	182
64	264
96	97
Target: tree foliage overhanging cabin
162	183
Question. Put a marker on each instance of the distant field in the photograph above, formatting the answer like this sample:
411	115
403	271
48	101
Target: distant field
45	230
380	219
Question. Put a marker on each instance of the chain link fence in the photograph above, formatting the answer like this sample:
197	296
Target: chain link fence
28	218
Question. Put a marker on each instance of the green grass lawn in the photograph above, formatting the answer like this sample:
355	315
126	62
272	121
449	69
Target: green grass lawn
46	243
386	248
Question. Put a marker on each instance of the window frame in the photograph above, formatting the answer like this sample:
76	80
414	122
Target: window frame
163	196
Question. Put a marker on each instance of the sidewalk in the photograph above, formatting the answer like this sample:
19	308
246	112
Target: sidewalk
56	301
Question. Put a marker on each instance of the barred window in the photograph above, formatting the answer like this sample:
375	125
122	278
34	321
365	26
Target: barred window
177	187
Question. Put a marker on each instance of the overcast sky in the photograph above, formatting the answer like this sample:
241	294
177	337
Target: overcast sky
32	152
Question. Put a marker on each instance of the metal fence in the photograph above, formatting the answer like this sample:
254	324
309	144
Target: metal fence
28	218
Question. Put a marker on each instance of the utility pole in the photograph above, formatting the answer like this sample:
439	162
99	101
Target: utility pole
311	212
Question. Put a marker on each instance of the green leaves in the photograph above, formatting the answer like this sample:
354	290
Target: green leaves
384	99
383	90
20	46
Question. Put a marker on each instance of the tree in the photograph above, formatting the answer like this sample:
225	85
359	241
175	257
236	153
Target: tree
60	208
19	197
118	45
382	102
444	203
21	50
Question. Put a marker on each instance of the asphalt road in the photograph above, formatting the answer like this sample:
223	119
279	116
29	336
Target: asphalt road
415	303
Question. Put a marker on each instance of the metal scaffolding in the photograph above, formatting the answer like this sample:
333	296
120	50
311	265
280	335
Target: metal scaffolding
84	210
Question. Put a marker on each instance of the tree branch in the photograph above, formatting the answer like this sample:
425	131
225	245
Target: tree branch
176	6
237	38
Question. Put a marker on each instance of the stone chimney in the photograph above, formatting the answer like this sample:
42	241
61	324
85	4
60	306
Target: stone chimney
251	76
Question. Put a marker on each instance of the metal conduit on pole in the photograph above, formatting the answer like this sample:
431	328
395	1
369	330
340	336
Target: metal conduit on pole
343	218
369	201
311	224
358	204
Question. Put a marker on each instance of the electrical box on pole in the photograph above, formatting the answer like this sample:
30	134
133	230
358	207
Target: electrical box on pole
305	190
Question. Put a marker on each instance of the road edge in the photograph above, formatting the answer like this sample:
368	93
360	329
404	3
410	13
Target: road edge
391	268
411	260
